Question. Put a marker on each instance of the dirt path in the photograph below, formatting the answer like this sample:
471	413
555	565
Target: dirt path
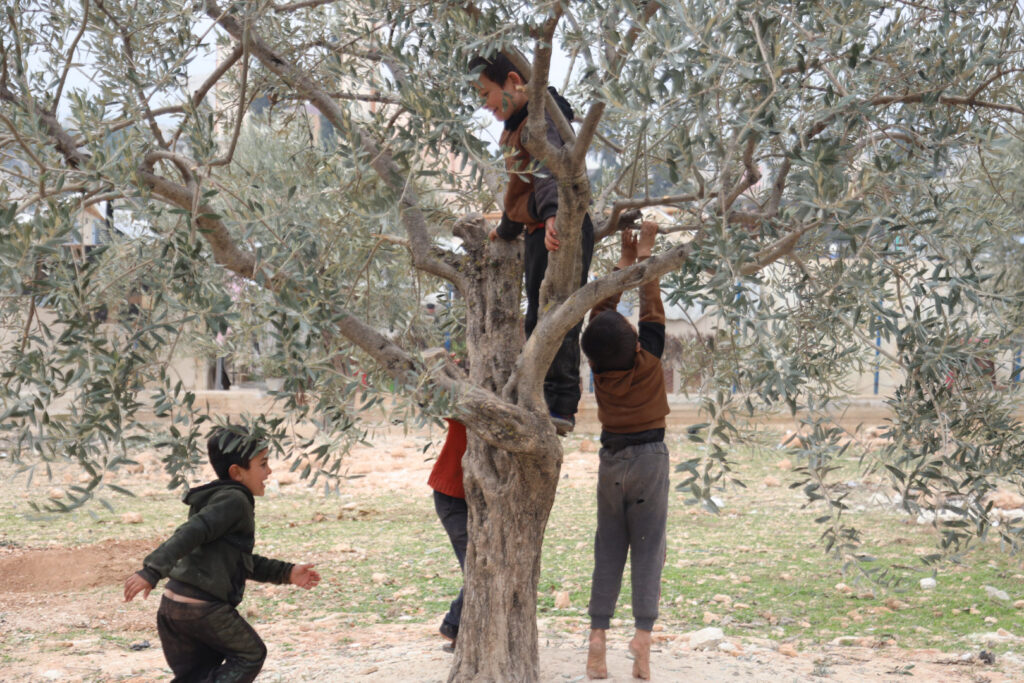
54	600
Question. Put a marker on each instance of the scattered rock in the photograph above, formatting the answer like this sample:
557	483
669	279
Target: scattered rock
788	650
929	583
380	578
771	481
285	478
706	638
140	645
991	620
588	446
843	588
131	518
562	600
711	617
995	594
55	493
1018	604
1004	500
722	599
896	605
727	647
785	464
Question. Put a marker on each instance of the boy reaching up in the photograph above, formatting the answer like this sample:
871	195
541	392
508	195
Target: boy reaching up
632	480
208	559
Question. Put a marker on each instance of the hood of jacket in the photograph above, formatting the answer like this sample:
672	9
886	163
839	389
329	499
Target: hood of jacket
200	496
513	122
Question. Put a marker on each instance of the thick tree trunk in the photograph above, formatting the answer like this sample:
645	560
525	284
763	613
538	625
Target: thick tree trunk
510	497
509	494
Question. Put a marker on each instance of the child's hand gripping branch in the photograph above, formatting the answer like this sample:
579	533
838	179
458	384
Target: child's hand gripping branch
637	247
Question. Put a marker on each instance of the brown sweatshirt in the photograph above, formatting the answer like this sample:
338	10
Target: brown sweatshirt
634	400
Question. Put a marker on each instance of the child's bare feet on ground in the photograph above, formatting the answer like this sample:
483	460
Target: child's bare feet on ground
596	665
640	648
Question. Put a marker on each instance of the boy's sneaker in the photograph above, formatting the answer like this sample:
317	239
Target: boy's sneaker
563	423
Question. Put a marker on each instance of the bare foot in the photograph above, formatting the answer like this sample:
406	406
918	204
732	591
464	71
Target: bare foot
640	648
596	665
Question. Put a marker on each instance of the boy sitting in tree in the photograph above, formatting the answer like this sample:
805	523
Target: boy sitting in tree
208	559
531	202
632	483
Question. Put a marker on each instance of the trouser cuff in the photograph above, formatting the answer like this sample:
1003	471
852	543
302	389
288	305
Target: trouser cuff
644	624
602	623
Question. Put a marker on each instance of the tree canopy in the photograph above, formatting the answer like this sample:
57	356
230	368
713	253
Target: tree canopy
839	183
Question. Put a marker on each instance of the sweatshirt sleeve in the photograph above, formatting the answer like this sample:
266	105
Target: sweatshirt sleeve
508	229
212	522
652	319
267	570
608	304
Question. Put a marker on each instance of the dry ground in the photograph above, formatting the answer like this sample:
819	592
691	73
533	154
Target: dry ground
53	598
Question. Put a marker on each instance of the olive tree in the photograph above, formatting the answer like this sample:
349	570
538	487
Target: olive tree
839	174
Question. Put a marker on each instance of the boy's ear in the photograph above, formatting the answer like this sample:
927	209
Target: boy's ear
235	472
513	80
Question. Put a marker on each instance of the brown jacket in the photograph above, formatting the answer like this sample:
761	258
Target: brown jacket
635	400
532	193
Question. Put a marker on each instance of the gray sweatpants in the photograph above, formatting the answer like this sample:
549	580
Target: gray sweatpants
632	508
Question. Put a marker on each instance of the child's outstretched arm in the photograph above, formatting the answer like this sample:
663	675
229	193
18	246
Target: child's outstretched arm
304	576
135	584
645	243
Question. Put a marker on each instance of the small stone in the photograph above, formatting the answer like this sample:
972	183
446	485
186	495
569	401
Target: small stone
1004	500
928	584
55	493
991	620
562	600
788	650
285	478
1006	634
252	612
843	588
706	638
1018	604
996	594
722	599
588	446
131	518
896	605
771	481
711	617
380	578
727	647
140	645
785	464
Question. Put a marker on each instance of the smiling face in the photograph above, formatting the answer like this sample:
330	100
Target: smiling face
502	100
255	477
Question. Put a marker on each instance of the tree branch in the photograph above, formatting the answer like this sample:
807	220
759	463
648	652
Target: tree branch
581	146
543	344
382	162
71	58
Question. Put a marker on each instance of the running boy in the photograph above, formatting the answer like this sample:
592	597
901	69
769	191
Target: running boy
208	559
632	480
531	202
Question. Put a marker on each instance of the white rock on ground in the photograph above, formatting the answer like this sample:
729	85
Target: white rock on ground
706	638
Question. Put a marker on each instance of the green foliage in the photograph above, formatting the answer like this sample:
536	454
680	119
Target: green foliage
846	174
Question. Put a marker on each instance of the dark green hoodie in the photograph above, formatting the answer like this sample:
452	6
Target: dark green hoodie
212	551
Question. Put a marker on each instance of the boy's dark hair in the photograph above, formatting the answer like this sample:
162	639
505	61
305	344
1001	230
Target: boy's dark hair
609	342
496	68
229	446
